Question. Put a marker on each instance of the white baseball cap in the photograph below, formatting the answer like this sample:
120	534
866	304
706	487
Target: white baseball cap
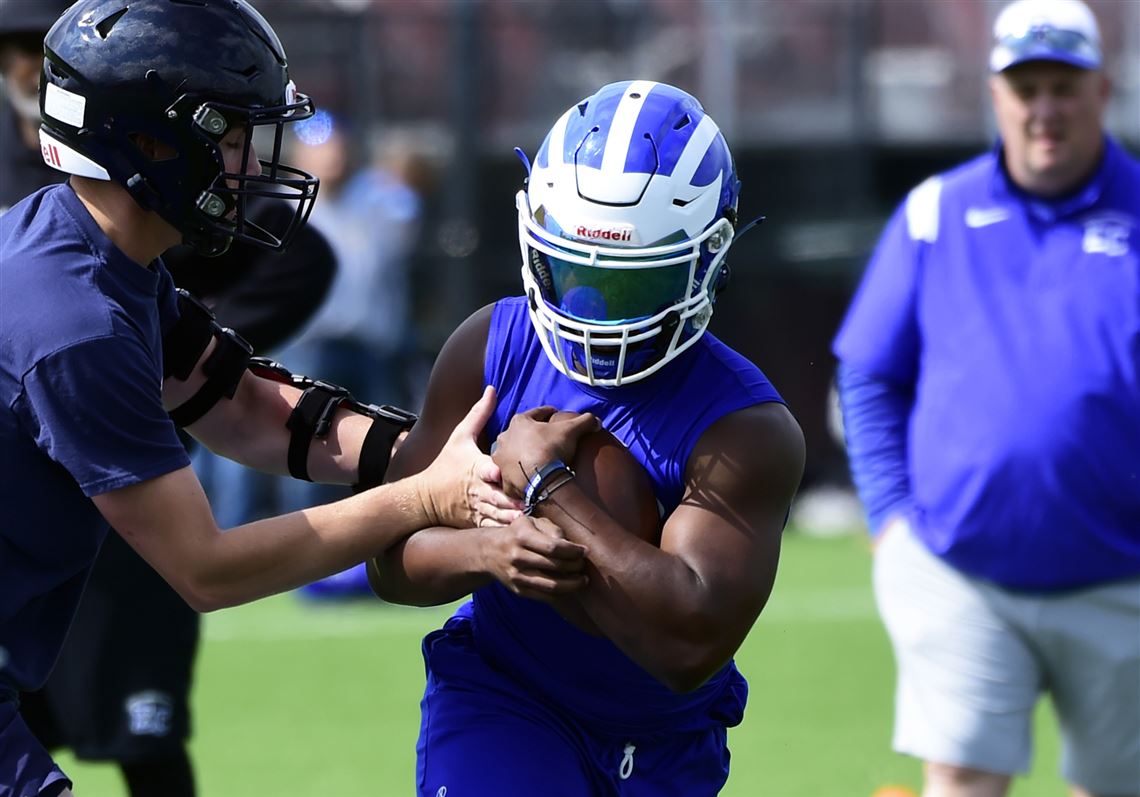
1046	30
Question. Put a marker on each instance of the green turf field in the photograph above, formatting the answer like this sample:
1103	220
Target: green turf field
300	700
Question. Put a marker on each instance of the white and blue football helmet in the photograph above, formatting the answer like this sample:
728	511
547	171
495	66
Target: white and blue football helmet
628	214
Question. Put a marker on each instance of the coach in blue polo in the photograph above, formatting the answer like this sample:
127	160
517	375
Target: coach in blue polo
990	382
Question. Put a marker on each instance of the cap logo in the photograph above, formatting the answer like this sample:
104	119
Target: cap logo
1050	30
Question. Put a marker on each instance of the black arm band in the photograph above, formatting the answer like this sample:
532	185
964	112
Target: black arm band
188	338
311	418
387	425
223	369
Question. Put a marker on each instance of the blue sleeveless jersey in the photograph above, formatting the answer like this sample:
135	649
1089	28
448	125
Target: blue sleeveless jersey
659	419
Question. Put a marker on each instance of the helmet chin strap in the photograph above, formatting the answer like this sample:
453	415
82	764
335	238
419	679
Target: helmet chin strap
756	222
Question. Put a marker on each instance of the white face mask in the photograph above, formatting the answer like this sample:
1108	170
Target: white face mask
27	106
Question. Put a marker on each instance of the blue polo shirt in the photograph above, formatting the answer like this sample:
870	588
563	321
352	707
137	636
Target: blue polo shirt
80	412
1014	323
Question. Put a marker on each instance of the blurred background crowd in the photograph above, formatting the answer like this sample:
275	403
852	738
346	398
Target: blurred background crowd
833	109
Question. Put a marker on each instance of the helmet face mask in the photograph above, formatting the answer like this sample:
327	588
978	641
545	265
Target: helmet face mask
221	205
110	82
624	228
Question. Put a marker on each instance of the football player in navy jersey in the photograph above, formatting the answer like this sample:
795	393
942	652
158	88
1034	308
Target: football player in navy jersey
151	107
990	381
629	213
120	690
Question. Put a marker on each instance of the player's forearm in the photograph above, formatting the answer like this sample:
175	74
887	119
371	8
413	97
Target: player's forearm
431	567
281	553
658	612
251	429
650	603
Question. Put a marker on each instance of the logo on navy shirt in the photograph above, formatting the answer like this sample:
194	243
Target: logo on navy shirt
149	713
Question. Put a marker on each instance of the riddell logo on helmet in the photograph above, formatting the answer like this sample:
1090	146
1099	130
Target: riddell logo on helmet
51	154
605	233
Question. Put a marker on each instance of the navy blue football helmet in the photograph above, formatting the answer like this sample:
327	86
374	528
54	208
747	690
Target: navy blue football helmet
186	73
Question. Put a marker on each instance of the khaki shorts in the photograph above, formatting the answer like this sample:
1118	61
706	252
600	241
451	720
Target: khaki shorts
973	659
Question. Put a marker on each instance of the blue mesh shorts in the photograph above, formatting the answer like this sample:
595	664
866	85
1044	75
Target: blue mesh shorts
484	735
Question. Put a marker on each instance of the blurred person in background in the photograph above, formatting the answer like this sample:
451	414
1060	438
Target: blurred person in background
621	682
990	384
362	337
121	690
23	24
370	209
157	134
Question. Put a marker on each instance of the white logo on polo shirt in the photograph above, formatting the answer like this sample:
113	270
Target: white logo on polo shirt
984	217
1107	235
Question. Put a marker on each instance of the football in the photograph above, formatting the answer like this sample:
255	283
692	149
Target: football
609	473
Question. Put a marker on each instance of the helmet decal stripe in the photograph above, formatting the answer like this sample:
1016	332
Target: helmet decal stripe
696	151
625	151
553	142
713	164
583	144
59	155
662	121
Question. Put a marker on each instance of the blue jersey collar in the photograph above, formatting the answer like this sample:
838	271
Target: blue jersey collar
1049	210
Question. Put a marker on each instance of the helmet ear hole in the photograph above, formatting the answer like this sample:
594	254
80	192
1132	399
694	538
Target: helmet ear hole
152	148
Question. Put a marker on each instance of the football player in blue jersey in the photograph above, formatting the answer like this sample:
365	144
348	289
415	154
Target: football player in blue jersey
151	107
625	224
990	382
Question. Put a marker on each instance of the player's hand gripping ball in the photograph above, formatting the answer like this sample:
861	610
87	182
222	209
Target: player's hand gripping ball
607	472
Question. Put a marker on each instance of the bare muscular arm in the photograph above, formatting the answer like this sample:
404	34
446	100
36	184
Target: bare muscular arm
439	565
682	610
